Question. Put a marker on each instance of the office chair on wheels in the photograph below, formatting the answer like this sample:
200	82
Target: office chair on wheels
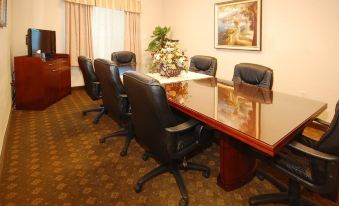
158	131
204	65
115	100
308	163
92	86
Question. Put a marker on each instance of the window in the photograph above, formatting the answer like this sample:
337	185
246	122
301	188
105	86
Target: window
107	32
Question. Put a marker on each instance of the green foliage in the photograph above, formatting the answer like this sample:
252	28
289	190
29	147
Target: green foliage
159	38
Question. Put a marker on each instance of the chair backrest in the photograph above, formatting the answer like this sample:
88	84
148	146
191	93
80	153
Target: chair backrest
123	58
151	114
255	74
204	64
329	143
112	89
90	77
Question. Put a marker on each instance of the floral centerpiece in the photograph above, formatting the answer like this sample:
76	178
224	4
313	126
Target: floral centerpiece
170	60
167	58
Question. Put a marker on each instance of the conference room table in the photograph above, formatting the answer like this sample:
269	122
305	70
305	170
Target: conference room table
245	117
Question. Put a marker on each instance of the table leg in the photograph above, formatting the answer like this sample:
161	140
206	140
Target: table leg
237	166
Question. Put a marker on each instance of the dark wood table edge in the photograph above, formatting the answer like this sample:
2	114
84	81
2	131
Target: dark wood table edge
249	162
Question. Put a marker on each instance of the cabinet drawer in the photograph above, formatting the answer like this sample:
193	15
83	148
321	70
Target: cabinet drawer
50	65
61	62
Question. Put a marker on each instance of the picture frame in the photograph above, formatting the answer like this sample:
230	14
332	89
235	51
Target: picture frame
237	25
3	13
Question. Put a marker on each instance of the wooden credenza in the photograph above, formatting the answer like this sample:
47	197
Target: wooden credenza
39	82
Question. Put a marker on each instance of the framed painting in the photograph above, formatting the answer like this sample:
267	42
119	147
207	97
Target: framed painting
237	25
3	13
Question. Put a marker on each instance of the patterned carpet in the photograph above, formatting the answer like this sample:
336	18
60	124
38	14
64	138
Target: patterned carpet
53	157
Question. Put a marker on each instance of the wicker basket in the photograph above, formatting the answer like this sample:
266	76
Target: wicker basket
170	72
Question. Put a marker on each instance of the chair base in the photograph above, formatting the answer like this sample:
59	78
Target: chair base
123	132
291	195
174	169
101	111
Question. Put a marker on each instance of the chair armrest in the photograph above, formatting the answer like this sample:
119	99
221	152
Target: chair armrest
96	89
319	124
312	152
331	163
182	127
129	112
322	122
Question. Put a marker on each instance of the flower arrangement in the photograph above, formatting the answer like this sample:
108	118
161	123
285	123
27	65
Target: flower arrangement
170	60
167	58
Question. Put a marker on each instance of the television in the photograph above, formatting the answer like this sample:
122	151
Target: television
41	43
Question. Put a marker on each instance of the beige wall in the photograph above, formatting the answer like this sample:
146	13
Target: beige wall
152	15
39	14
299	42
5	74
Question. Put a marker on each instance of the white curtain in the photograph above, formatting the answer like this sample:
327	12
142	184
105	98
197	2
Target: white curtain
107	32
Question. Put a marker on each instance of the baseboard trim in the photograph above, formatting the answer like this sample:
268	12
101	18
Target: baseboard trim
77	87
4	144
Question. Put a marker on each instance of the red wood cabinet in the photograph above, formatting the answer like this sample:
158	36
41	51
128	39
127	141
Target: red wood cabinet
39	82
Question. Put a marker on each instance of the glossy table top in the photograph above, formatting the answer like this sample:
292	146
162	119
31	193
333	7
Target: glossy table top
261	118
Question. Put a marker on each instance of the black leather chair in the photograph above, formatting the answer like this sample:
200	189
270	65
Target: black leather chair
159	132
124	60
92	85
253	74
115	100
204	64
308	163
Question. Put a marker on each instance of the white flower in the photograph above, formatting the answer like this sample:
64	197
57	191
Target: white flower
157	57
169	50
181	60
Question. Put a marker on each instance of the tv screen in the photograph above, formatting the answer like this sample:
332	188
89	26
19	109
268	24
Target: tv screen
41	41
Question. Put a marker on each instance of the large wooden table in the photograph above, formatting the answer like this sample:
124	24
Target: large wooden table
246	117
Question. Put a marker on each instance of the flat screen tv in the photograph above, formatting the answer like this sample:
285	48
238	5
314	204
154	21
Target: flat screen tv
41	43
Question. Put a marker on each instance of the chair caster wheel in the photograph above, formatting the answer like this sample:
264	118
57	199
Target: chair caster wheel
102	140
123	153
206	174
95	121
183	202
138	188
145	156
84	113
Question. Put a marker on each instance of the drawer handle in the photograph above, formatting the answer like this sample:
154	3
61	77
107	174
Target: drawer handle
54	70
50	64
